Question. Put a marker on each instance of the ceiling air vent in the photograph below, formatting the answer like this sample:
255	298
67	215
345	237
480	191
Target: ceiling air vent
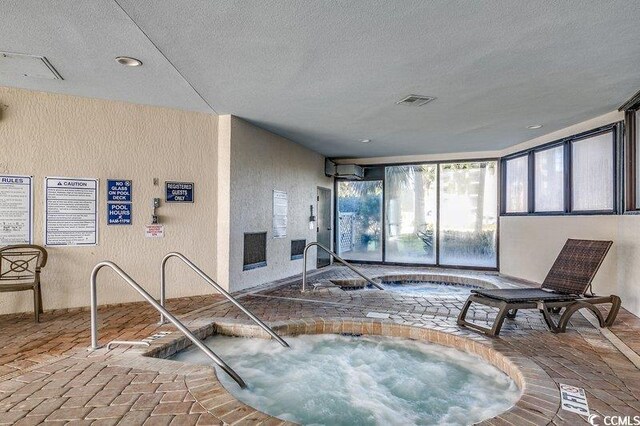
415	100
21	65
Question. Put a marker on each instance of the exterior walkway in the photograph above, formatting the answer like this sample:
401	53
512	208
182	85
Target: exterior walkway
47	374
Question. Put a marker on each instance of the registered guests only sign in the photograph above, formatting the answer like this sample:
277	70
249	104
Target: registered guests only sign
179	192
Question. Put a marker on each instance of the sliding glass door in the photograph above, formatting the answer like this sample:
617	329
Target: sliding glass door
411	210
360	220
430	214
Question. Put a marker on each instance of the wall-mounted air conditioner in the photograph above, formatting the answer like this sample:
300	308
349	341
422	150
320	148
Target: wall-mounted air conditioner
343	171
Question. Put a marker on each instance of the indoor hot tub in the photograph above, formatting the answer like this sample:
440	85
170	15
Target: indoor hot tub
338	379
419	284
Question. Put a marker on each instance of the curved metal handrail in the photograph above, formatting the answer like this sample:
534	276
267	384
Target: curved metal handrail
217	287
336	257
159	308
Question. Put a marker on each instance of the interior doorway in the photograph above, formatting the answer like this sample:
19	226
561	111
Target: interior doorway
324	228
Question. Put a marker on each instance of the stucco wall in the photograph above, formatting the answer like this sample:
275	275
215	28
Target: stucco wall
54	135
260	163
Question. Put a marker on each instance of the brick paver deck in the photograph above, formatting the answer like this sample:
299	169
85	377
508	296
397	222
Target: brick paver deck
47	375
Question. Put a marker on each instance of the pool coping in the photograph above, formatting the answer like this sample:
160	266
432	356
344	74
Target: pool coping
538	403
351	284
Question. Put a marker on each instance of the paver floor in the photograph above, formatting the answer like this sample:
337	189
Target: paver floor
47	375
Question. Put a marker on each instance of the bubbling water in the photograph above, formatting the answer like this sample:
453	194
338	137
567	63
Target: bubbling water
346	380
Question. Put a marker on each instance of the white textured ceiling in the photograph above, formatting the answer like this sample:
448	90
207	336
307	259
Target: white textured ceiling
328	73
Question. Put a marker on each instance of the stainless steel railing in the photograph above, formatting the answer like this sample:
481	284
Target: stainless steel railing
215	285
336	257
159	308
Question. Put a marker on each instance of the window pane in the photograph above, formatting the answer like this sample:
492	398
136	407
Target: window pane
468	213
411	204
549	180
517	191
592	167
360	220
638	159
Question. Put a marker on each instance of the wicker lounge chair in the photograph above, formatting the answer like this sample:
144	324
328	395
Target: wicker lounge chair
567	285
20	267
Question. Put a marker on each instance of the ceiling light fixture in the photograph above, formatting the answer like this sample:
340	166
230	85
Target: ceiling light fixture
534	126
128	61
365	140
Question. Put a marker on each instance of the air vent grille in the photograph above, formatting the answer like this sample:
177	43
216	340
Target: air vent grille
415	100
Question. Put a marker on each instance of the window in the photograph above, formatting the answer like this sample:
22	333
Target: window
592	173
428	214
517	188
468	214
636	138
360	220
549	180
575	175
631	158
411	210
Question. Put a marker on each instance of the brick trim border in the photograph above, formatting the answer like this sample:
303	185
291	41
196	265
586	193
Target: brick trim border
538	403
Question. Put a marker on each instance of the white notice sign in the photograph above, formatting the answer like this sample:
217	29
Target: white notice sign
280	206
154	231
16	210
71	212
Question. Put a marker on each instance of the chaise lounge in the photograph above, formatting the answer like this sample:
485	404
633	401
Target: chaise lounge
567	285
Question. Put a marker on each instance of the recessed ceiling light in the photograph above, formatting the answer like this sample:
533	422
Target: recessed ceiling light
365	140
128	61
534	126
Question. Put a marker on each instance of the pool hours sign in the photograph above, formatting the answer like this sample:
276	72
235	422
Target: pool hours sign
179	192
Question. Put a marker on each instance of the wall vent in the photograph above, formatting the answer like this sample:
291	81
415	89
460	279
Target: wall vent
255	250
22	65
415	100
297	249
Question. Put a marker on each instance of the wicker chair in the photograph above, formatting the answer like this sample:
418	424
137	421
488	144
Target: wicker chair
567	285
20	267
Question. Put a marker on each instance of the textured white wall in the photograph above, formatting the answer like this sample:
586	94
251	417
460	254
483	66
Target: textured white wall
260	163
55	135
529	245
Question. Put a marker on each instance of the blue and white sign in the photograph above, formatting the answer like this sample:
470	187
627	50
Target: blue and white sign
118	191
16	210
119	214
179	192
71	212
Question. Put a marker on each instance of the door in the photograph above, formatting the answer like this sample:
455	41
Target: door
324	225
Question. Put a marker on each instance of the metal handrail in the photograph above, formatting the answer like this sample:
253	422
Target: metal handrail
214	285
159	308
336	257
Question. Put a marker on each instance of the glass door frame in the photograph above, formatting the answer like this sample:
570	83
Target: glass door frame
376	172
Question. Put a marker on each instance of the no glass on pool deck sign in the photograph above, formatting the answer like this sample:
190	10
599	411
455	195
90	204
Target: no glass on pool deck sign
179	192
